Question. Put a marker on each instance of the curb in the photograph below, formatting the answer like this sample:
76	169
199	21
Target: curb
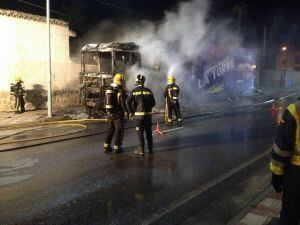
159	215
236	220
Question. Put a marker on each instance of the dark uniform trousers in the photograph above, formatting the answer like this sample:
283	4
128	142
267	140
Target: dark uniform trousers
144	123
20	103
174	106
19	97
290	212
115	126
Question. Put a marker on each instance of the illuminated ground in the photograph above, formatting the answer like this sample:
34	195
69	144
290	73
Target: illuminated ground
74	182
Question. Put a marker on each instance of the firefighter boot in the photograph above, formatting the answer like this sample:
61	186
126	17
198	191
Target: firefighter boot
169	122
118	149
107	148
179	121
139	151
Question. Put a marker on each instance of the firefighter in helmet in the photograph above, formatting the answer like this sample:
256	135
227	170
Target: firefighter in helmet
171	94
18	92
115	105
140	103
285	164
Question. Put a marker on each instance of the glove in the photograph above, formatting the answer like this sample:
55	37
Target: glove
126	116
130	115
109	115
277	182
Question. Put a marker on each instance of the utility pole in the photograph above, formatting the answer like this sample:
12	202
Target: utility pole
284	49
49	103
264	46
263	56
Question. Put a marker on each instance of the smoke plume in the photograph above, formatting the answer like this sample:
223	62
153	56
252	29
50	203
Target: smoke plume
185	37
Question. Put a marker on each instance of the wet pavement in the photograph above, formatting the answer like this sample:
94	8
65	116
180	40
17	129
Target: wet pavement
33	135
74	182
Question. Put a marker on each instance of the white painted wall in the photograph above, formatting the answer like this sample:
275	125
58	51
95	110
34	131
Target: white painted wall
23	51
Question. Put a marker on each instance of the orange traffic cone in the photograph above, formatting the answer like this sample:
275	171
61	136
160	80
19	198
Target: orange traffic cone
273	108
157	130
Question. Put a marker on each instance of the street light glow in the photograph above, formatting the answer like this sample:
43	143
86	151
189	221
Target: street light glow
284	48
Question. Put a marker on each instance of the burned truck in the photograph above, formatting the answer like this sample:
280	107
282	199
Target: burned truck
99	64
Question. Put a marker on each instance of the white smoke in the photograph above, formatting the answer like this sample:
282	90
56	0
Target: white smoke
182	37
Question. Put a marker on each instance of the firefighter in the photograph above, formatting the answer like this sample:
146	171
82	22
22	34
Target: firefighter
285	164
171	95
115	105
140	103
18	92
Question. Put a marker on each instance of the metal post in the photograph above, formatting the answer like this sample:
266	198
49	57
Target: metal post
49	61
262	65
284	69
264	47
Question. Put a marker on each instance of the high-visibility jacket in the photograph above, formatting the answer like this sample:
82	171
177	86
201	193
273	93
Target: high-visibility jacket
114	100
286	148
140	101
172	92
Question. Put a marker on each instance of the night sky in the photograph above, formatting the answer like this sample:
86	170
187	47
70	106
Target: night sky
280	17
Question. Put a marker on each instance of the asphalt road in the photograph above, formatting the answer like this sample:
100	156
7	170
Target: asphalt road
74	182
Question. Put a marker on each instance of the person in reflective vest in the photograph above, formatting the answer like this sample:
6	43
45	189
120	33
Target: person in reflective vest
115	105
140	103
285	164
18	92
171	94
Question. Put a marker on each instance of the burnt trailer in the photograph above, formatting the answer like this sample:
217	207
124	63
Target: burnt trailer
99	64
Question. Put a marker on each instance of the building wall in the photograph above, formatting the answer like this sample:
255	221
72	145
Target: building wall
23	44
272	78
290	57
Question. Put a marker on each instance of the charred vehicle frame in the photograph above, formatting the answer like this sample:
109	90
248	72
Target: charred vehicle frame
99	64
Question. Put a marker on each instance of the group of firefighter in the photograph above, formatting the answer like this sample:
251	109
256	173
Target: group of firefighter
139	105
285	162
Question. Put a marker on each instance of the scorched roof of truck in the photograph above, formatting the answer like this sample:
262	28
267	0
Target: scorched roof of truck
117	46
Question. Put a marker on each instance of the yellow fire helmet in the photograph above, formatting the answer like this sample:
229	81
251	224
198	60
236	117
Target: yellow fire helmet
118	79
18	78
171	79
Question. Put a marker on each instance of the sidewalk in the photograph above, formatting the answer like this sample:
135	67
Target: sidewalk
265	210
10	118
38	116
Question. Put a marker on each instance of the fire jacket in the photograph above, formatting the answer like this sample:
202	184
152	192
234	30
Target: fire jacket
172	92
286	148
140	101
114	101
18	89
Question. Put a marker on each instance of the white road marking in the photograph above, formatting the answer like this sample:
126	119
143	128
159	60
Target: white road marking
9	167
15	165
198	191
170	130
13	179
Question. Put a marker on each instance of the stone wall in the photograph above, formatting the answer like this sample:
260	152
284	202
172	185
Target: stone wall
5	101
37	99
62	99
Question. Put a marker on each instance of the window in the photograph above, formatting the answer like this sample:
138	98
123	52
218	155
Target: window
91	62
105	62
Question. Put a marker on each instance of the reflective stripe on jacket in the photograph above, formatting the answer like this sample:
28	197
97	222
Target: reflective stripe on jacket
286	148
171	92
141	101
